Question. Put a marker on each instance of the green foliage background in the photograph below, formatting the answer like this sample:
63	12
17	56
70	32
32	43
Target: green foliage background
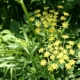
17	61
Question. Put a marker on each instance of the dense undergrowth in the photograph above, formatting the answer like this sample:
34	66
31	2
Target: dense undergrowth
39	40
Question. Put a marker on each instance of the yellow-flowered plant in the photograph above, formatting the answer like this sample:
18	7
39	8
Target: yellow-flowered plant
57	49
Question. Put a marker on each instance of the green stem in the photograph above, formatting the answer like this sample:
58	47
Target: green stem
26	13
25	10
51	76
25	36
11	72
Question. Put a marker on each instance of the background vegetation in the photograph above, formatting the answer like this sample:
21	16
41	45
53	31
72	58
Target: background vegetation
19	45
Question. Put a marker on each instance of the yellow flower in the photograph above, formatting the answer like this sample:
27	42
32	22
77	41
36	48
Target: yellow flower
37	30
65	36
44	21
78	45
50	68
46	25
51	11
71	42
41	50
66	13
61	61
52	57
50	46
72	52
46	54
60	6
60	55
65	57
37	11
55	52
49	20
65	24
38	23
56	13
68	66
57	42
72	62
64	51
63	18
43	62
45	8
54	66
44	13
56	47
68	46
54	23
55	16
61	48
31	18
38	15
51	30
42	18
51	38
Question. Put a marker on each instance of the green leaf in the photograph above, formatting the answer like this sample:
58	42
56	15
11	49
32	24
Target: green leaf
76	2
77	73
1	26
21	78
13	45
66	78
61	66
7	58
51	77
6	32
78	52
14	27
8	37
78	62
58	79
33	69
34	49
33	1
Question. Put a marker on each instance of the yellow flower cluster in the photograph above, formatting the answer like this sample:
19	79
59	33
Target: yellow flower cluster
58	54
54	51
47	20
60	6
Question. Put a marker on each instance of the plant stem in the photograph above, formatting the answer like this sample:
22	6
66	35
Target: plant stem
51	76
26	13
11	73
25	10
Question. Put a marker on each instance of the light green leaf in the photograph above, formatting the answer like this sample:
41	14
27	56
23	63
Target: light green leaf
58	79
13	45
78	62
8	37
7	58
6	32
